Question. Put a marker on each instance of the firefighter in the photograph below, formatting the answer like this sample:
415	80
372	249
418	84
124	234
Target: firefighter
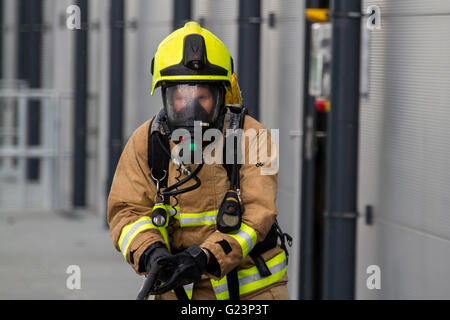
164	215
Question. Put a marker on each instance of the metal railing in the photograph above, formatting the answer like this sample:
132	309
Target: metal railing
17	191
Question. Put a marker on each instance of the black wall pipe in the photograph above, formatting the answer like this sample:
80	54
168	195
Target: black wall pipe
29	69
1	38
116	90
181	13
341	214
306	284
80	112
249	53
312	180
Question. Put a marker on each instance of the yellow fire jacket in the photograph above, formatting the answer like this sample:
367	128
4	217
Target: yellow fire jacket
132	197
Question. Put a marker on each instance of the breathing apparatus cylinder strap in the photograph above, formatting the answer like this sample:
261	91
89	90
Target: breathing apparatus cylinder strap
261	265
181	293
158	160
236	119
233	284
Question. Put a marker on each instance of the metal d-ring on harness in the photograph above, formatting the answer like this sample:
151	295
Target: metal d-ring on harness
159	212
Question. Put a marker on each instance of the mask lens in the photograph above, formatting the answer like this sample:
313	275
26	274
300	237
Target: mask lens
186	103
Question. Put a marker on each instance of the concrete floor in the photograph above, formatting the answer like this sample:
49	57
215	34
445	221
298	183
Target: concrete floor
36	249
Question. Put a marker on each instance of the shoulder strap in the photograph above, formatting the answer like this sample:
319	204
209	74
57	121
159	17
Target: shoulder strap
158	160
233	284
235	120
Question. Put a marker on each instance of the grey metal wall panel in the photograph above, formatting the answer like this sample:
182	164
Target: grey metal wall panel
410	7
154	23
404	129
94	87
9	39
409	87
413	264
58	74
281	96
220	17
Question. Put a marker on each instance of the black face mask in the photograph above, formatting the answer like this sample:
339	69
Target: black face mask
193	98
193	117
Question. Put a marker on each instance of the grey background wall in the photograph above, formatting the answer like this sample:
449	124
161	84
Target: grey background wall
405	153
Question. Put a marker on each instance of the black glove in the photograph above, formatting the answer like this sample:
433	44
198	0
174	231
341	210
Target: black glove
149	263
185	267
152	255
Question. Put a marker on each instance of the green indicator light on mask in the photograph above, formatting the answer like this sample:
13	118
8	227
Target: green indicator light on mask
192	146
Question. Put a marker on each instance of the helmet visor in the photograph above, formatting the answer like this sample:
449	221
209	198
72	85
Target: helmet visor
186	103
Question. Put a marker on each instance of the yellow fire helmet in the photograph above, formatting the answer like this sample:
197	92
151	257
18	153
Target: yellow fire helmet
191	53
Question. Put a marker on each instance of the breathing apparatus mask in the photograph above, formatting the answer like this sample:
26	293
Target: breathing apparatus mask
193	106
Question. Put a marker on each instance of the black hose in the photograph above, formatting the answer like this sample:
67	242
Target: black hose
177	192
193	175
148	282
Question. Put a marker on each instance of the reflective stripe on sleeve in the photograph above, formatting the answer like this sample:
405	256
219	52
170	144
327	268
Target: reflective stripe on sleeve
246	236
130	231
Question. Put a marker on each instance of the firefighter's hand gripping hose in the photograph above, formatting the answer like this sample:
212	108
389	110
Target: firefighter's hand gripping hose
148	283
185	267
149	263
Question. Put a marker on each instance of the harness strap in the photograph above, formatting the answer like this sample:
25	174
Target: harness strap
181	293
269	242
158	161
260	265
233	284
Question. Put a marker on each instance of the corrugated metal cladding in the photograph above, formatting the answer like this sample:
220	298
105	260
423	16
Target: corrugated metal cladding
281	86
153	23
219	17
405	152
281	94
